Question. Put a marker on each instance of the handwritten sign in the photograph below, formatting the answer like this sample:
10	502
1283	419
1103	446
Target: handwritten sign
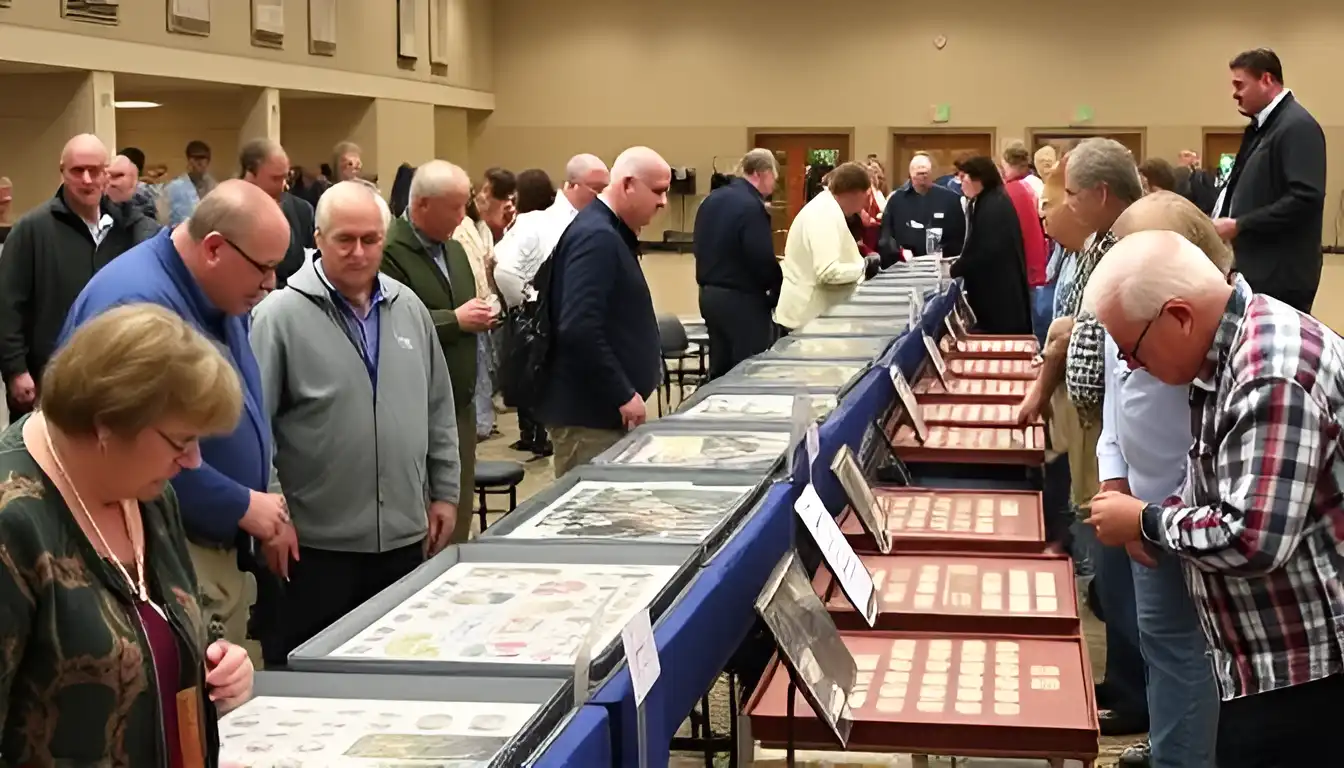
855	580
641	654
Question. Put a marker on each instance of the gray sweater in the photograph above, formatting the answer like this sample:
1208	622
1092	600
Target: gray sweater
357	466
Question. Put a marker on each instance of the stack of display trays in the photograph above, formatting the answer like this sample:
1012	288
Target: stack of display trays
929	389
862	348
892	306
963	414
708	446
933	520
992	368
731	403
973	695
964	444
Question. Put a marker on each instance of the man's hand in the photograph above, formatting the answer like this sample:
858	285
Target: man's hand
1117	518
633	413
22	389
1029	410
1118	485
266	514
280	549
475	316
442	521
1227	228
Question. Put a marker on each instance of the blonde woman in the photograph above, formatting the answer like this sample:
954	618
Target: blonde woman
102	643
491	210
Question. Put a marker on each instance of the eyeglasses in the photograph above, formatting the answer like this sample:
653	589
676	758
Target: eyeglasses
181	447
265	269
1133	354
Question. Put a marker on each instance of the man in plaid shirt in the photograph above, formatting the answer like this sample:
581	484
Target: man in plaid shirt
1259	523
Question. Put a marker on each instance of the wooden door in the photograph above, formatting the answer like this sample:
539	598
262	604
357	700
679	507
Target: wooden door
1217	144
802	158
1132	140
943	149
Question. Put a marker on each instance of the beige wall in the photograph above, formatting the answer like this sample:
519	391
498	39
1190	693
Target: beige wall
38	113
689	78
311	127
162	134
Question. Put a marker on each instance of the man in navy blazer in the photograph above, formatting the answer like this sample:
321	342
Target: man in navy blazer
605	356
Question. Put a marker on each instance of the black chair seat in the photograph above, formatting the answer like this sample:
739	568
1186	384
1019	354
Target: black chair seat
499	474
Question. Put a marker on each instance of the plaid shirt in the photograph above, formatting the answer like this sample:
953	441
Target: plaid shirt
1259	523
1085	369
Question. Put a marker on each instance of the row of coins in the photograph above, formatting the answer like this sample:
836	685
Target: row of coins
982	367
999	387
973	413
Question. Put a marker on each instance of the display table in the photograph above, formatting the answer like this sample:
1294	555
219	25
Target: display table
584	741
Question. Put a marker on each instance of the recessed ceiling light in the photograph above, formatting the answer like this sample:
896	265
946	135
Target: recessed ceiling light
136	104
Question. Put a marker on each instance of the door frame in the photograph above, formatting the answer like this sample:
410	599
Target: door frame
1086	131
1231	130
894	134
753	133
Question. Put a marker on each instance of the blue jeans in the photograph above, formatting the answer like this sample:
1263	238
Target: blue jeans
1042	310
1182	696
485	388
1125	686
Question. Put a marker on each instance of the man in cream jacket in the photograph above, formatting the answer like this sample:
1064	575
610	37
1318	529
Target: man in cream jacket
822	264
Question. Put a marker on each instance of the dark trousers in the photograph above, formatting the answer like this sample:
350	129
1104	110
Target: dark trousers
1126	677
739	326
1288	728
323	586
531	432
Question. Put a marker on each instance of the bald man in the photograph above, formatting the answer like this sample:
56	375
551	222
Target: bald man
124	188
358	502
212	270
1258	525
917	208
50	255
604	346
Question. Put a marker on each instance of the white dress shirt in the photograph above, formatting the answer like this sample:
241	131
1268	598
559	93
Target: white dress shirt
1145	430
527	245
1260	118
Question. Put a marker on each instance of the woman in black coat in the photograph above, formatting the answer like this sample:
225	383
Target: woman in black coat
992	263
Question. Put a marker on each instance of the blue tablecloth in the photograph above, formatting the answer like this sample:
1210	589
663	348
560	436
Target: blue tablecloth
698	636
585	742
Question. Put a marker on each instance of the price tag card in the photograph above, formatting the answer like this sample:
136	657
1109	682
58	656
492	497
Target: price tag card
936	359
891	470
855	580
641	654
909	404
812	440
799	422
968	319
871	514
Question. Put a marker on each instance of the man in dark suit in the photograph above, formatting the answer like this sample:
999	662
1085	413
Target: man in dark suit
916	207
264	164
735	264
604	348
1272	207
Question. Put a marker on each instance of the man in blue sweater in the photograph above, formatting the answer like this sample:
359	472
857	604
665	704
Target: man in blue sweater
211	270
605	354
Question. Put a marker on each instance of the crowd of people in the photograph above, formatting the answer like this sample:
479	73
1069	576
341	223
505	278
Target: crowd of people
276	383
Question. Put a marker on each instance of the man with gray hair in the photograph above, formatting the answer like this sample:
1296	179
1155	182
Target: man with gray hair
370	505
529	242
735	264
422	255
604	349
917	208
1258	524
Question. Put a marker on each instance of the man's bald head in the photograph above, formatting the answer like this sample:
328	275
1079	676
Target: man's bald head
585	178
1169	211
121	179
84	174
1161	300
921	173
640	178
233	243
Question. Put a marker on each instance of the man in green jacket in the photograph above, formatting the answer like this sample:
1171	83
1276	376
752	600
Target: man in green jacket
421	253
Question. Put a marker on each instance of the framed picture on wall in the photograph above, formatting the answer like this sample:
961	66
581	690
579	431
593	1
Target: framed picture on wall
189	17
406	29
268	23
439	23
322	27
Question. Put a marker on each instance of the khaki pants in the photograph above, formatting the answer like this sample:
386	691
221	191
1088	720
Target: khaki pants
466	453
579	445
227	595
1068	433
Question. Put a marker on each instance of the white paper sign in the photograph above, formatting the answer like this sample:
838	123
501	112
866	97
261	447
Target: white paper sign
855	580
908	402
641	654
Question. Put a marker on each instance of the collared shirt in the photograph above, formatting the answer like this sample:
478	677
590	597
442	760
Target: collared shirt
435	248
1259	523
1259	120
363	329
527	244
1085	370
1145	430
98	230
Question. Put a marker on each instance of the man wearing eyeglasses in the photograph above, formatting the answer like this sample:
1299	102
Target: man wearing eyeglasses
212	270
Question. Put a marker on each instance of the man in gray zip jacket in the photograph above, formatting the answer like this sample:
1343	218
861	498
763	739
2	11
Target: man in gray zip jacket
365	434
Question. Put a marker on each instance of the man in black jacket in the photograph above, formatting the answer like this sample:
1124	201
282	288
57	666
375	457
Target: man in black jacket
735	264
50	255
604	350
264	164
1273	205
916	207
